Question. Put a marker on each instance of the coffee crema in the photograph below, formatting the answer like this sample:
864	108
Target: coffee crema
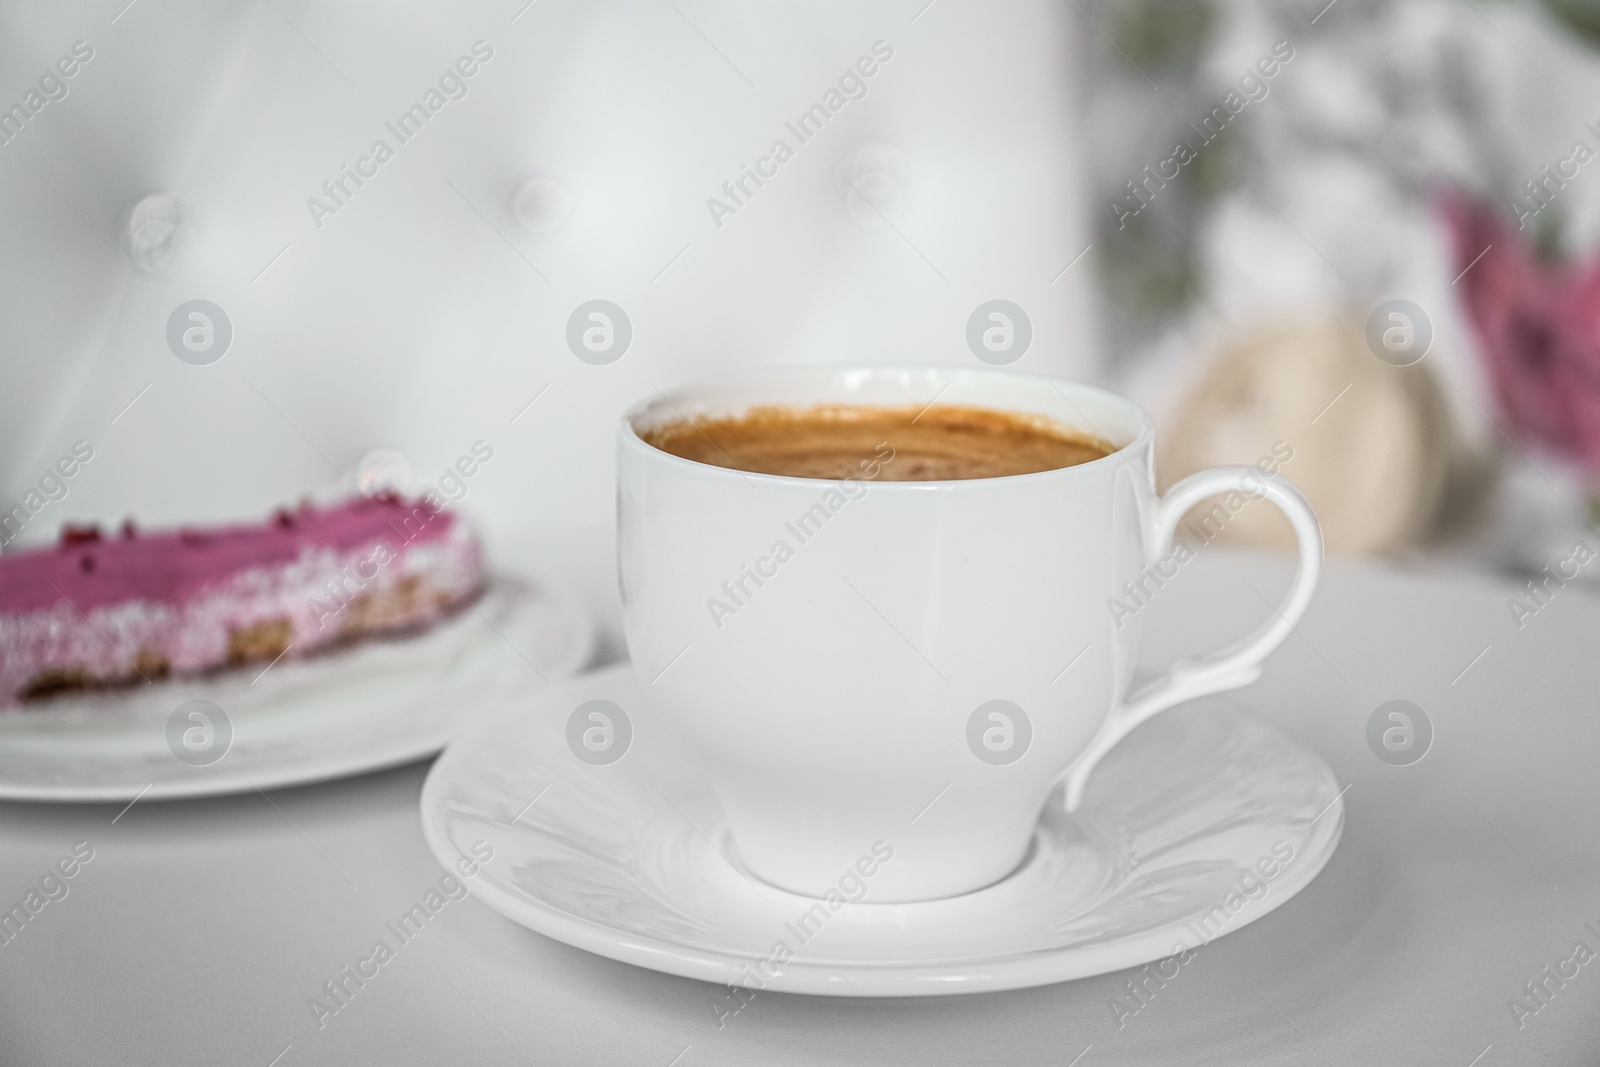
907	444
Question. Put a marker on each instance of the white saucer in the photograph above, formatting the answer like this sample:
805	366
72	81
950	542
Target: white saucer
619	859
372	706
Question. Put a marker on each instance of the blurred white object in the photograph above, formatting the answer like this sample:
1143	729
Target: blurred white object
156	233
422	314
542	204
877	179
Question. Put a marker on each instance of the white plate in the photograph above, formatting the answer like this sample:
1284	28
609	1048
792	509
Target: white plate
375	705
631	860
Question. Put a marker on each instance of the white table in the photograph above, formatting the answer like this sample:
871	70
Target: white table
200	929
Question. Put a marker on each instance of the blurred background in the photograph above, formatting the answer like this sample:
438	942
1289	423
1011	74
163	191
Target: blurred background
1351	242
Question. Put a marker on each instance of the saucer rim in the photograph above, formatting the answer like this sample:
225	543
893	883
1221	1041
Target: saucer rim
1015	971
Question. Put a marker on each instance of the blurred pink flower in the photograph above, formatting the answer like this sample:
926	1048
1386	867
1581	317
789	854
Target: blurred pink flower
1538	326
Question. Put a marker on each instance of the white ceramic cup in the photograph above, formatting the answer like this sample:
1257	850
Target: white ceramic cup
831	652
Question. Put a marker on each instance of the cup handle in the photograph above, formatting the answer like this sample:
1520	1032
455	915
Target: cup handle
1237	665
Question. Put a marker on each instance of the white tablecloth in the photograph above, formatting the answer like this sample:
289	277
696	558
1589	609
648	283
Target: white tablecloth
199	930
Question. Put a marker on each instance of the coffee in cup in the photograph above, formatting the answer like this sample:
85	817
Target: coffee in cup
944	443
